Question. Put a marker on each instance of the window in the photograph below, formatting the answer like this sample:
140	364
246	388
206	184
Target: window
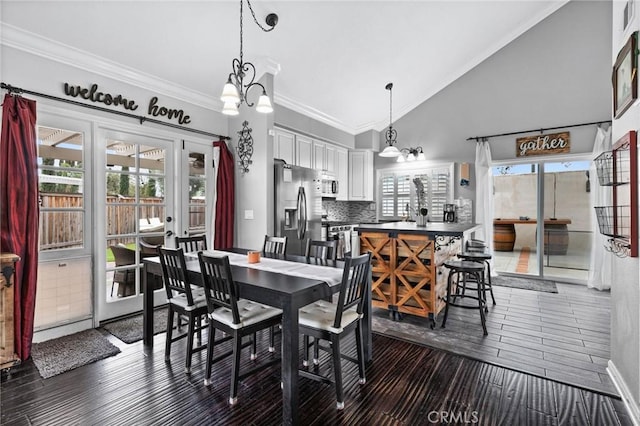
61	183
398	199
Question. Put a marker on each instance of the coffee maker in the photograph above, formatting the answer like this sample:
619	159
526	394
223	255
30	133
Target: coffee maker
449	215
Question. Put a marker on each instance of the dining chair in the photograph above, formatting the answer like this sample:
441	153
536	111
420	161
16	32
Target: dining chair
182	300
330	321
274	245
192	244
323	250
234	316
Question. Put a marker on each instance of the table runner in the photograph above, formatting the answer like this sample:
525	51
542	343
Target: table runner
328	274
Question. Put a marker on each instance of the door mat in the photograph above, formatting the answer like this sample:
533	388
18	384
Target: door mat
56	356
525	283
129	330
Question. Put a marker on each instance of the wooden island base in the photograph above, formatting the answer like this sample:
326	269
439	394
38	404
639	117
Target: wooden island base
407	272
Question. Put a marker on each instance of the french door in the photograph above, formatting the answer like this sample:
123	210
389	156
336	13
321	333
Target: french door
135	187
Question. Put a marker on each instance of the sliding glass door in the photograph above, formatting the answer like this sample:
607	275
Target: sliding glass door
542	219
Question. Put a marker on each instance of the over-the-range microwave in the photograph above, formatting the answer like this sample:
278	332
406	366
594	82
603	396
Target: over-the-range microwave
329	186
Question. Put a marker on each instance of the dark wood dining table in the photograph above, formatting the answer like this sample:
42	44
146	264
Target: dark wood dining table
287	292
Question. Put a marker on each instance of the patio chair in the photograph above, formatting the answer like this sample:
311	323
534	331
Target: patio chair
126	278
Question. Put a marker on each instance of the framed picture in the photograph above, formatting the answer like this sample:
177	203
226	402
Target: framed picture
625	80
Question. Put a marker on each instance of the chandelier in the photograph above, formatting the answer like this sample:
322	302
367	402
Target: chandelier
411	154
241	80
390	134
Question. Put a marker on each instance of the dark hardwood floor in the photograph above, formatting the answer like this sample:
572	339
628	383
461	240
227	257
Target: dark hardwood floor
406	384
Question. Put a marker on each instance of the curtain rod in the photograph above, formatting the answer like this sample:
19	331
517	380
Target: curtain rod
541	130
140	118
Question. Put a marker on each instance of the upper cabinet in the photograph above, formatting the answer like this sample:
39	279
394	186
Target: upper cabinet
304	147
361	175
284	146
342	173
304	151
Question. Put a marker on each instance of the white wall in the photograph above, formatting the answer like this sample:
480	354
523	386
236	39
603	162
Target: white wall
625	279
557	73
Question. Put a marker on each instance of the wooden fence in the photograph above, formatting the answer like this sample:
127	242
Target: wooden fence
64	229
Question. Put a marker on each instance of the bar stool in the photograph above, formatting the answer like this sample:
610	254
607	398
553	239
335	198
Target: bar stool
465	268
482	258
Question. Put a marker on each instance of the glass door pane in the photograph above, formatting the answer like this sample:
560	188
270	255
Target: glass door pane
515	223
198	191
137	217
567	225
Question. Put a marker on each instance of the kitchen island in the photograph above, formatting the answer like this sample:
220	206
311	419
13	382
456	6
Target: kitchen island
407	272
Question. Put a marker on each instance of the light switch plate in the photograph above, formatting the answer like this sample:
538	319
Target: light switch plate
248	214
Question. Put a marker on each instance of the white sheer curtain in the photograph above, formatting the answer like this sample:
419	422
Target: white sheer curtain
484	193
601	262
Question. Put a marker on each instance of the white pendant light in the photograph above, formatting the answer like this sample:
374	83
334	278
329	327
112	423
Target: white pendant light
264	104
230	108
390	134
230	93
390	151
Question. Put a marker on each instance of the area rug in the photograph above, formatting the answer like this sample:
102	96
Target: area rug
129	330
56	356
525	283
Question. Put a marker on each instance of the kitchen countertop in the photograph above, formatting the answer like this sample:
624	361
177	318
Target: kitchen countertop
432	228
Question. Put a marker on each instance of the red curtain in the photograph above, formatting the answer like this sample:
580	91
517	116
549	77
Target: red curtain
225	192
19	210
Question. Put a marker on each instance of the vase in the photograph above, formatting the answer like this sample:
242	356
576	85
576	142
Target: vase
421	220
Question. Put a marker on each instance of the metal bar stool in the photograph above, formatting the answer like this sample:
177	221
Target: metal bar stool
482	258
465	268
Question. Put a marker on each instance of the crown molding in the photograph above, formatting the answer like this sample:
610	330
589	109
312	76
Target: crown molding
311	112
17	38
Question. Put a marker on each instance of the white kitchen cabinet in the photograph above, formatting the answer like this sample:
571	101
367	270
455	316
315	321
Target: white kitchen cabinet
330	161
318	155
342	173
361	175
304	151
284	146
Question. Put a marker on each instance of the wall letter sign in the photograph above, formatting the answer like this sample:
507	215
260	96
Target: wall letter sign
553	143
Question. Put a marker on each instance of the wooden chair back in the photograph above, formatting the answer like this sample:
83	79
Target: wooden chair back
174	272
324	250
219	287
192	244
274	245
354	283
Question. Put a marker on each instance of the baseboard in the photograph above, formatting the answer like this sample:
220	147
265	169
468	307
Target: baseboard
62	330
627	397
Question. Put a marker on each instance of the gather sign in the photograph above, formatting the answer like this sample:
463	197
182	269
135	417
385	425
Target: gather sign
553	143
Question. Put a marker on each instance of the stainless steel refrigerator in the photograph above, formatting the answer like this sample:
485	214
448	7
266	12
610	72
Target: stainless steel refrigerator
298	204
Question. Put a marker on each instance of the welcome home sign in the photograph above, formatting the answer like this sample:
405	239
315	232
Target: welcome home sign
553	143
94	95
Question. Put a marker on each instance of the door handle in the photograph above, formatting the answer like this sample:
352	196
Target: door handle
169	219
169	233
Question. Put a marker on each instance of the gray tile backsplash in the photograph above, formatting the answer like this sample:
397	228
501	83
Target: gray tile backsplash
349	211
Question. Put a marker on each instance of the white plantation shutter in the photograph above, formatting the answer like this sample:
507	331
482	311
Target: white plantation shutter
397	190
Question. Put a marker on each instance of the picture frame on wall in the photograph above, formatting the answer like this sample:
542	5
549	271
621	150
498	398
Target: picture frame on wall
625	78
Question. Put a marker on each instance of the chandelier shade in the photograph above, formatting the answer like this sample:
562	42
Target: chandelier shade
390	151
411	154
241	80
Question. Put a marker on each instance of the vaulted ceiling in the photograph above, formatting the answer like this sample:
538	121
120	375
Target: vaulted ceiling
331	59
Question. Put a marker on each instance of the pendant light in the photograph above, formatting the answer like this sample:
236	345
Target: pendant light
390	134
235	91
